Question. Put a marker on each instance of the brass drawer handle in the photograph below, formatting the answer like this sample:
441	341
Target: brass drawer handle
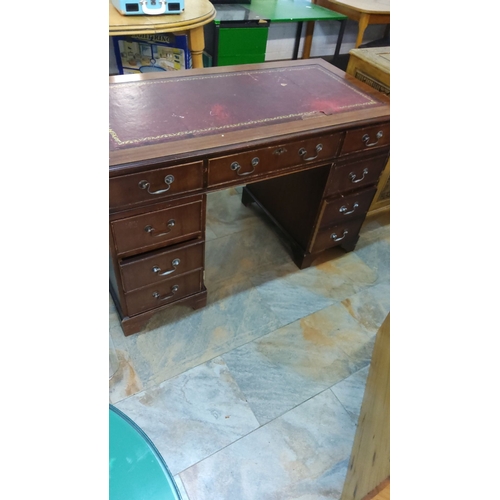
343	209
151	229
366	138
303	152
174	289
334	236
352	175
168	181
175	263
236	166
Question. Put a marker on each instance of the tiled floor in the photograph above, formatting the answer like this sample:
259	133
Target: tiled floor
256	396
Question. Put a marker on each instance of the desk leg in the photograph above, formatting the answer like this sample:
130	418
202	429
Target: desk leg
196	46
339	39
308	40
215	50
363	22
297	40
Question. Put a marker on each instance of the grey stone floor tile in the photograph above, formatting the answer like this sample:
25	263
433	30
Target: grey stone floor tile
242	254
180	487
373	249
350	392
301	454
293	293
227	215
209	234
193	415
181	338
370	306
290	365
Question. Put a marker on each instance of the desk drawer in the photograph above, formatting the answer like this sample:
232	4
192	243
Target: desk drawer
163	293
336	235
346	177
155	184
257	163
161	265
363	139
156	229
335	210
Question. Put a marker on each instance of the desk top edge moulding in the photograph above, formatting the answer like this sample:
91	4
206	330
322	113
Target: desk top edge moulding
306	141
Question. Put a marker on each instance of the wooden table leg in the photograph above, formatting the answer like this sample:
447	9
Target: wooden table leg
362	25
196	39
308	40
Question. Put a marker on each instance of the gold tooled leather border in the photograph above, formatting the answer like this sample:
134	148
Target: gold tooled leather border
369	102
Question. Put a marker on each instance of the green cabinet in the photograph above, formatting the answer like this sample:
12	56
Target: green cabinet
241	45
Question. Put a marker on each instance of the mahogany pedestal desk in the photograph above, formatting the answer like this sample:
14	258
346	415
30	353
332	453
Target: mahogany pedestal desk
307	141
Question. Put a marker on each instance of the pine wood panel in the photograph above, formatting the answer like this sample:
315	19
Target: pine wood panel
370	457
385	494
382	492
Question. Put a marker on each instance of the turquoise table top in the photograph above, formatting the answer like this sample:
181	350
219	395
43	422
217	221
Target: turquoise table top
275	11
136	469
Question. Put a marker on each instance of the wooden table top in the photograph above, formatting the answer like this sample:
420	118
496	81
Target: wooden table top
197	13
379	57
368	6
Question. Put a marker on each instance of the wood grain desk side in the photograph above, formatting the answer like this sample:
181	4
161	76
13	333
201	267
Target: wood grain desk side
369	464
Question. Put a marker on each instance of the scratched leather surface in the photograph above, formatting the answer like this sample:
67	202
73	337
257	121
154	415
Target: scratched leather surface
169	109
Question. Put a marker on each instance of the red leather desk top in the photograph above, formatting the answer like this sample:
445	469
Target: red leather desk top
171	108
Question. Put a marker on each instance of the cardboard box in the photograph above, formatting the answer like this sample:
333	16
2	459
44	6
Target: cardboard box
147	53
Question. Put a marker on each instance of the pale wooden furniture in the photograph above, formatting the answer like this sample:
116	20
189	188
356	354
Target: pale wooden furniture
383	494
372	66
191	21
369	466
365	12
